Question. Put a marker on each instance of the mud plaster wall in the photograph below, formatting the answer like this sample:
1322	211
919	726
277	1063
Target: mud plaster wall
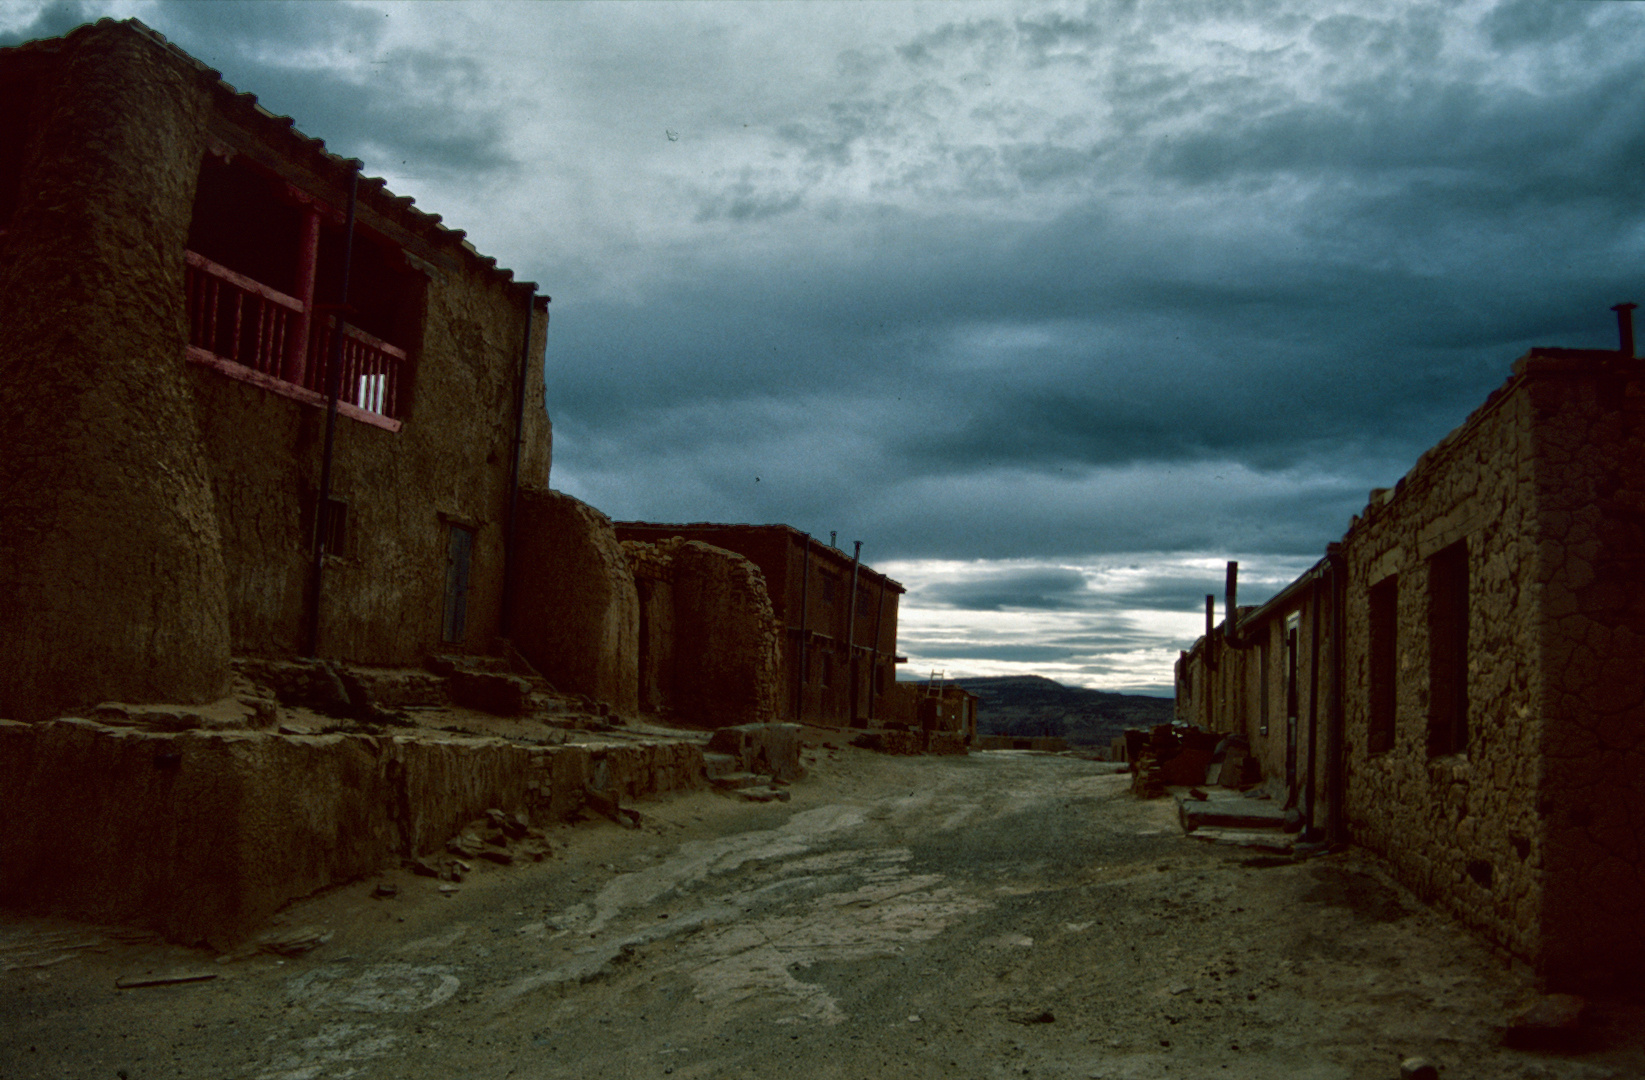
716	651
780	554
577	611
203	836
1435	818
448	465
107	506
653	567
1590	561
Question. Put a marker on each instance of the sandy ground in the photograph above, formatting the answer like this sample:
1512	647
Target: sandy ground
1006	914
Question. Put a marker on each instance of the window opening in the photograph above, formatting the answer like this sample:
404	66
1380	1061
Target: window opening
332	530
1448	651
1384	674
827	587
1262	677
1293	628
459	551
864	601
263	259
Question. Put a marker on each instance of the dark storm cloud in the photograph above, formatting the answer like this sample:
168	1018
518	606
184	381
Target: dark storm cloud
1040	587
991	282
1014	653
52	20
337	78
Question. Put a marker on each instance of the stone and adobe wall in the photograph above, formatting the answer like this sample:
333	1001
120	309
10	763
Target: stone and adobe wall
577	611
809	582
1493	700
104	487
1455	812
161	508
1255	691
1588	448
710	647
203	835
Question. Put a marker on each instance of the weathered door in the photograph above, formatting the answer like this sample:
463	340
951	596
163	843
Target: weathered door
459	549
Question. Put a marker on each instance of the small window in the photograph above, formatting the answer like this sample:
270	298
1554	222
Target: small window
827	587
1448	651
331	531
459	550
1262	680
1384	675
865	604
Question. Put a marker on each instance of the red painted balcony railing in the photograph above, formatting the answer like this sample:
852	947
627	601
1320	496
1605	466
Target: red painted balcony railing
242	322
372	369
232	317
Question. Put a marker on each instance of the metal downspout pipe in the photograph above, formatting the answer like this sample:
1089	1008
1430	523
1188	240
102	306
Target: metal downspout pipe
1311	832
509	538
334	385
1335	773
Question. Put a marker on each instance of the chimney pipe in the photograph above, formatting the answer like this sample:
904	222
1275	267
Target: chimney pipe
1210	618
833	538
1625	327
1231	603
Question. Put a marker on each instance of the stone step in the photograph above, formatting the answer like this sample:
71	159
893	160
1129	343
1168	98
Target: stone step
737	780
763	794
720	764
1229	813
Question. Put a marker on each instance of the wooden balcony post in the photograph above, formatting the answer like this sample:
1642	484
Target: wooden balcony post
308	257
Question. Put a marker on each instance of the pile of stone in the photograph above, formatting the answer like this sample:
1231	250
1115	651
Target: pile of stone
1169	756
497	837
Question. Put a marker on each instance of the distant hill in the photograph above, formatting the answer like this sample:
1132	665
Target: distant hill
1035	705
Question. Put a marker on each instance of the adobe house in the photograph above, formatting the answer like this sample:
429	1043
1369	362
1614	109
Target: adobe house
836	618
176	489
1458	684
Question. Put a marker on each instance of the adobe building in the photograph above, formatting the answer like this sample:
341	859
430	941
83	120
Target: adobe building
172	264
1458	684
836	619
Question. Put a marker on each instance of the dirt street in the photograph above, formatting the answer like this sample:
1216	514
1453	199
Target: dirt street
1005	914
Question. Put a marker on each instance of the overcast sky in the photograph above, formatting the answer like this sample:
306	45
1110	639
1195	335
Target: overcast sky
1055	307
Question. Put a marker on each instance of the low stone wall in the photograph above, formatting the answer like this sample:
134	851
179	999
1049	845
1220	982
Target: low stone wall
203	835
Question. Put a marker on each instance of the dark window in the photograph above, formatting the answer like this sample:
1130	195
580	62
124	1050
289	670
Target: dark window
827	587
1448	651
865	604
1262	678
1384	674
459	549
332	533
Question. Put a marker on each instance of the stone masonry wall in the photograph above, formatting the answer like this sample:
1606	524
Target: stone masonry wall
1589	451
107	507
1462	829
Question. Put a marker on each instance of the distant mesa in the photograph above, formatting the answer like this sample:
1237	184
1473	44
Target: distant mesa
1031	705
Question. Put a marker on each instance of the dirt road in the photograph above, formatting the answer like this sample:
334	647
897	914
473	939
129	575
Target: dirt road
1000	915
